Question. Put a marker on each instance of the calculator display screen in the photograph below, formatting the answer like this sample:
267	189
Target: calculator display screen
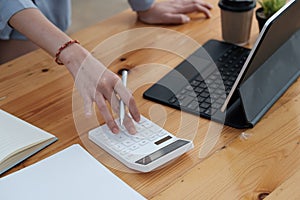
161	152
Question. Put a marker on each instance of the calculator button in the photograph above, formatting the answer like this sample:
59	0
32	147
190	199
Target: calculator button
162	133
139	128
143	142
128	143
156	129
134	147
143	120
136	139
119	137
109	140
97	132
147	124
118	147
125	152
147	133
153	137
129	156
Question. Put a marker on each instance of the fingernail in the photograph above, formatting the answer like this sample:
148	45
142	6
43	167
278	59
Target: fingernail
115	130
132	130
138	118
186	19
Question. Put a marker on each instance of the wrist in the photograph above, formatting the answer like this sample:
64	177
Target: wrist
63	47
73	56
138	5
146	16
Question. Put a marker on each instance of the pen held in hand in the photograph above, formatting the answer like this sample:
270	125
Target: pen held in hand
122	106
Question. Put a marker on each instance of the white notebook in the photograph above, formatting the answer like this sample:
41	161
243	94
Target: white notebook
19	140
70	174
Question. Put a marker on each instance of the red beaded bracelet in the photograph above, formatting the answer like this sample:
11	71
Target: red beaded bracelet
62	48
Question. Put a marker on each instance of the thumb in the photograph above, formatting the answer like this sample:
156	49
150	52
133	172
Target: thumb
175	18
88	104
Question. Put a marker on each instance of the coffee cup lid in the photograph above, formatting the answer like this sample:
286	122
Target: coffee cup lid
237	5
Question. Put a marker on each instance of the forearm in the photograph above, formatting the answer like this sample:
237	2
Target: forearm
37	28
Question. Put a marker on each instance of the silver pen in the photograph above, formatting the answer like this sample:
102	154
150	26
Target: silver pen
122	106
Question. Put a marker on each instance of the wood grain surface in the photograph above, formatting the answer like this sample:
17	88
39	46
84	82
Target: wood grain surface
244	164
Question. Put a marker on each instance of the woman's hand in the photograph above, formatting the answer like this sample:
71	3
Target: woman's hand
173	11
97	84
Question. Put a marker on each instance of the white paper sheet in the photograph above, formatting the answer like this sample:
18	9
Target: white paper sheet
70	174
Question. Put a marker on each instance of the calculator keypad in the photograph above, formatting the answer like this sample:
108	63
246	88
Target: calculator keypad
126	144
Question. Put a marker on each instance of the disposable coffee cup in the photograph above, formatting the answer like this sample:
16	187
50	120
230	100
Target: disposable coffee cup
236	20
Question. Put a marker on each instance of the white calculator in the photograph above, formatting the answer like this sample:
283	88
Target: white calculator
151	147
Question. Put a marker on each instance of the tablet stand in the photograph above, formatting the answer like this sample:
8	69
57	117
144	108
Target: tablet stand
263	88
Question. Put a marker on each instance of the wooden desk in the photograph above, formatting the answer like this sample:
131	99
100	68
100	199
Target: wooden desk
35	89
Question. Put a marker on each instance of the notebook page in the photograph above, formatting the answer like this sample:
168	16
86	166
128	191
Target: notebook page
16	135
69	174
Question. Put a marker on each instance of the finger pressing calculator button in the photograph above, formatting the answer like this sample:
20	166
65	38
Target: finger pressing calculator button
129	149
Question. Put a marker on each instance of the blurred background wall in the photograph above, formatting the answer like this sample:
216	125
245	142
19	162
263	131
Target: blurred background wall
89	12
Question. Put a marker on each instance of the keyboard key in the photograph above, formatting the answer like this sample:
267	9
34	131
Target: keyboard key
193	105
219	91
173	100
199	78
192	94
214	96
220	100
198	90
213	86
186	101
201	99
202	85
209	81
183	91
189	87
180	97
216	105
205	105
195	83
204	94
